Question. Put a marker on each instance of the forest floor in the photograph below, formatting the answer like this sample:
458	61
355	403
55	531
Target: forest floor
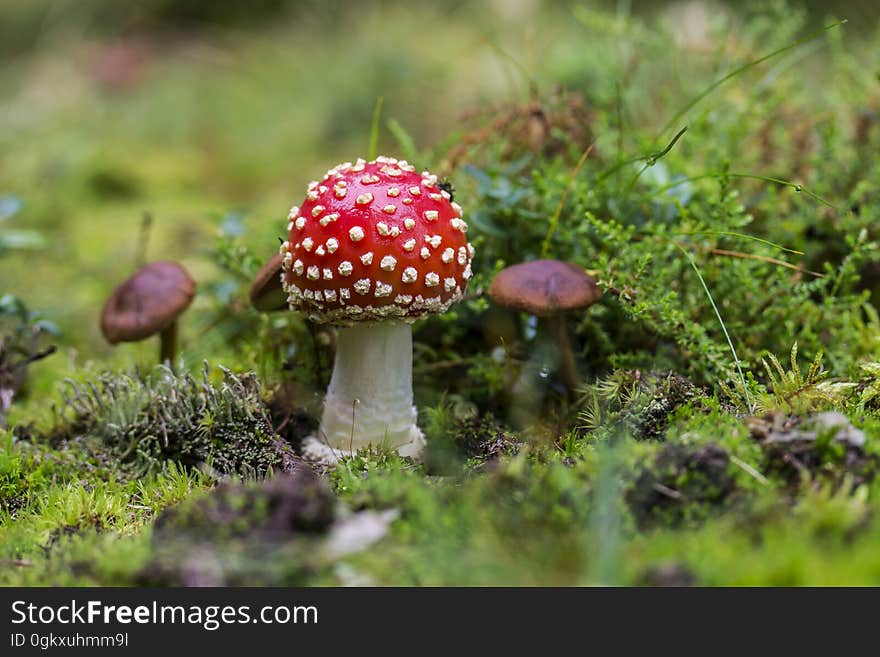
716	173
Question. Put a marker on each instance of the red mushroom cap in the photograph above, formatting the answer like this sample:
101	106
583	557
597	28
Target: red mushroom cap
375	240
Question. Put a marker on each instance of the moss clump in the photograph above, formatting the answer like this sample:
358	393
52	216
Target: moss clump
275	509
148	420
823	448
242	533
483	438
682	483
637	403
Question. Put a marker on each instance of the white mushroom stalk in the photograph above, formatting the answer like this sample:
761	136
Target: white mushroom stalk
370	401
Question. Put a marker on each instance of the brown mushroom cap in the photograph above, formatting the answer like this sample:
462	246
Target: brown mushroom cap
544	287
267	293
147	302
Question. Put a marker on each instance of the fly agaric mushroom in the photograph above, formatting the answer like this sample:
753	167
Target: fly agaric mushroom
149	302
267	291
373	247
548	289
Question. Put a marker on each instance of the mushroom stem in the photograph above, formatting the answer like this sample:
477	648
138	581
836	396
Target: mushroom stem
370	400
168	343
567	370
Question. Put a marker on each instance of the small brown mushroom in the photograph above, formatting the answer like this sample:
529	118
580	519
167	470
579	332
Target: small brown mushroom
149	302
548	289
267	293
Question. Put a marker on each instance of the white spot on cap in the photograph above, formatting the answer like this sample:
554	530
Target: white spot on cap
409	223
308	243
312	195
433	240
467	273
367	258
364	199
286	260
339	191
388	263
332	245
394	192
415	191
462	255
356	233
330	295
322	189
289	226
383	289
409	245
470	248
432	279
403	299
382	228
328	274
369	179
448	285
319	296
345	268
436	197
298	267
362	286
431	215
407	201
285	246
457	208
458	224
293	212
320	250
300	223
359	165
410	275
389	209
448	255
326	219
344	293
425	253
313	273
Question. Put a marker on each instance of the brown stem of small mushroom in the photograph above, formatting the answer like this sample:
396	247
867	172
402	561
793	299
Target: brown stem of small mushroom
168	344
567	370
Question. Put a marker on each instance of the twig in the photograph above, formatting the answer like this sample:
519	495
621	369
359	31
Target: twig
748	469
774	261
668	492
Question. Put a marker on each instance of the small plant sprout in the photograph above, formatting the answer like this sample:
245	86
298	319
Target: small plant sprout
374	247
548	289
147	303
267	292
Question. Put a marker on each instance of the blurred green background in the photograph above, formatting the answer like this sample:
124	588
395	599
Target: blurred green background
212	116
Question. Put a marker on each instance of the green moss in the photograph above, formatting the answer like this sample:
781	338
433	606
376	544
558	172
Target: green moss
146	420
